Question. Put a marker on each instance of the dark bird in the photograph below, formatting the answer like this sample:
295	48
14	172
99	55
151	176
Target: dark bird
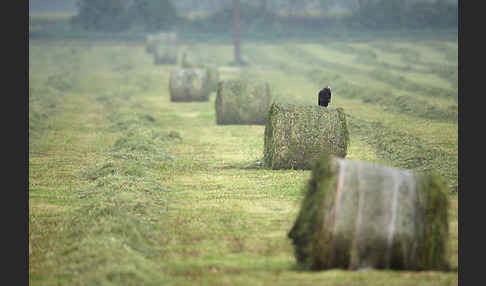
324	96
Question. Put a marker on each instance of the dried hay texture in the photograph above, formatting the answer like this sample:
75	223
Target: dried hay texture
189	85
111	239
296	136
242	102
358	215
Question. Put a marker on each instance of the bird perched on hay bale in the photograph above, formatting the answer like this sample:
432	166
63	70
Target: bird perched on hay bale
324	96
297	135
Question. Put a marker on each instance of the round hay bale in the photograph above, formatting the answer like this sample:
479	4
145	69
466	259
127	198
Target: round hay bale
165	49
358	215
150	43
165	55
296	136
189	61
242	102
189	85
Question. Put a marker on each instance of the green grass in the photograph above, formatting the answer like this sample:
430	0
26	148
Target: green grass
127	187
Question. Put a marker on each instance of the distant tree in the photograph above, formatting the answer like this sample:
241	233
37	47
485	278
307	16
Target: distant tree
156	14
325	4
407	14
103	15
263	4
293	6
120	15
236	33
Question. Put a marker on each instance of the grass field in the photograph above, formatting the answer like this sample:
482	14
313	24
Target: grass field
128	188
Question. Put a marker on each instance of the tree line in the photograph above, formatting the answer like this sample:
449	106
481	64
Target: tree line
159	15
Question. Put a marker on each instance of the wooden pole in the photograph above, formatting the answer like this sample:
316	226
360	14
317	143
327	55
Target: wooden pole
236	36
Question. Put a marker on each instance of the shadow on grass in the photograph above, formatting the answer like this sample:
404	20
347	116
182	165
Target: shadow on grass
253	165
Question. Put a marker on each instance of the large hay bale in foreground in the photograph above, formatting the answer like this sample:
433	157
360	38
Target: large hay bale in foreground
296	136
189	85
242	102
358	215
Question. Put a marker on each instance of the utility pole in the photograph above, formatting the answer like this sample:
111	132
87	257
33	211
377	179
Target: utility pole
236	35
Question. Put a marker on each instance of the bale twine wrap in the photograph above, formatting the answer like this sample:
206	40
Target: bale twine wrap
242	102
296	136
165	50
189	85
359	215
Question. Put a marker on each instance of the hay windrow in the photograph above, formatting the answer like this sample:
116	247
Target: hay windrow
111	239
242	102
297	135
358	215
189	85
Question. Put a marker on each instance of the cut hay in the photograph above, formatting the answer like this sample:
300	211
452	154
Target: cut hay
296	136
111	240
242	102
189	85
358	215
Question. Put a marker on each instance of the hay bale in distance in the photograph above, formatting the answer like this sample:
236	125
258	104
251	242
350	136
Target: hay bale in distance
151	41
165	49
296	136
242	102
188	61
189	85
359	215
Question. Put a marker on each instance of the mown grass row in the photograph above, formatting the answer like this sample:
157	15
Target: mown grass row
121	226
48	86
112	234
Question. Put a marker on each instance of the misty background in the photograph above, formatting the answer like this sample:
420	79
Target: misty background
257	17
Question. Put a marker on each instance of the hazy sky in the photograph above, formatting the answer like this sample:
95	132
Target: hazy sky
52	5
